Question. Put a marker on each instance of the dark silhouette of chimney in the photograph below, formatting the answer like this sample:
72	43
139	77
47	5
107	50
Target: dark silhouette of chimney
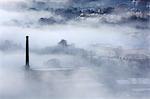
27	52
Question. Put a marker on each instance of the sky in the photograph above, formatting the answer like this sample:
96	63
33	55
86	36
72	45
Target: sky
3	1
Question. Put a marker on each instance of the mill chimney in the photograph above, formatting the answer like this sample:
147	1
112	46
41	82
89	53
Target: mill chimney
27	52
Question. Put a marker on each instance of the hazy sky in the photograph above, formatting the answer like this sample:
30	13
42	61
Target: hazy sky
31	0
11	0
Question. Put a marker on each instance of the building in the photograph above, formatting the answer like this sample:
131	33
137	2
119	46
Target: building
142	5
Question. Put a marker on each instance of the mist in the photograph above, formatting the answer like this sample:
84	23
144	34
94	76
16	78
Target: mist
105	56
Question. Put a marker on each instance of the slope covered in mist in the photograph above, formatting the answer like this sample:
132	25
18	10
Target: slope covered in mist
107	49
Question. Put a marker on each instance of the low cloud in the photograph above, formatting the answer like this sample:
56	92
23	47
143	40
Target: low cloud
107	54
